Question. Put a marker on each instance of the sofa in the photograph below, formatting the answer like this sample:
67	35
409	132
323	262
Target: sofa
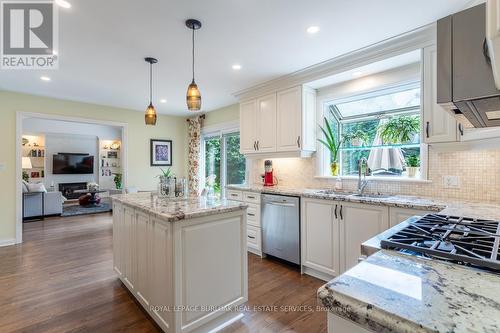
53	203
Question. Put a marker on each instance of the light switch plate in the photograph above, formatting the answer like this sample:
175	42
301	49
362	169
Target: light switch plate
451	182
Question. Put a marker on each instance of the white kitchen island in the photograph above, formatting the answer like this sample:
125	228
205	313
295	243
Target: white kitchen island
185	261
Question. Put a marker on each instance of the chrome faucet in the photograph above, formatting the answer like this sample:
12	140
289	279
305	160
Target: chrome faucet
362	182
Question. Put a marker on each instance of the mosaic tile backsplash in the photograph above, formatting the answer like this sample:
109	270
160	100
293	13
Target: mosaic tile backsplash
478	173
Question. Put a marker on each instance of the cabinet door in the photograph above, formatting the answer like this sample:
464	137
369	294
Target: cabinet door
398	215
161	270
130	245
117	237
289	119
266	124
438	125
143	284
359	222
248	127
320	236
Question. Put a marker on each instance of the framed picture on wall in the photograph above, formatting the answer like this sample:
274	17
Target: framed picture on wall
161	152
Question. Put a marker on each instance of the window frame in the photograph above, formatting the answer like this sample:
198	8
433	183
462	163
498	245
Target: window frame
322	106
219	131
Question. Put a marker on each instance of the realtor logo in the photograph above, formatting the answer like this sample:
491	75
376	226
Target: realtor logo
28	35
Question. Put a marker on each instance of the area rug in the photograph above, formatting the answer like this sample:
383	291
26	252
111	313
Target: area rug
75	210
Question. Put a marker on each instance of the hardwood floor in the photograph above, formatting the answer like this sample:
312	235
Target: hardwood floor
61	280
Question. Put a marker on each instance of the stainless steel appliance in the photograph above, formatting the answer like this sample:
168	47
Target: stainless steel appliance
461	240
281	227
465	80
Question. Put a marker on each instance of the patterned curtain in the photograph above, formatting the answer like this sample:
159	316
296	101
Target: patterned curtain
194	132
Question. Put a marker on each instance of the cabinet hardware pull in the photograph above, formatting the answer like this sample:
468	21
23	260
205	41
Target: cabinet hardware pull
335	211
250	214
427	129
341	216
298	141
251	197
251	237
234	194
257	144
461	129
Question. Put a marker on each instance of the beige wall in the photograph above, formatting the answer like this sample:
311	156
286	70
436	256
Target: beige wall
140	174
222	115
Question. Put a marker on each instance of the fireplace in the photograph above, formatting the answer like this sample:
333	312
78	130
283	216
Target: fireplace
67	189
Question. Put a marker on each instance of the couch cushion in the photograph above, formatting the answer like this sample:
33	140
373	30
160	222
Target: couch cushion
37	188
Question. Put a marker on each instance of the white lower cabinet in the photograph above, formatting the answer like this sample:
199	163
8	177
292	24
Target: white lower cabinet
320	237
359	223
398	215
254	231
332	234
169	265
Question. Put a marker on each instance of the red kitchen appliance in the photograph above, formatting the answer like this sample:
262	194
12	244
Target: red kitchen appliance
268	173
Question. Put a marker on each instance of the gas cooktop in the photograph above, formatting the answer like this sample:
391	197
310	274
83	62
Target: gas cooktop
462	240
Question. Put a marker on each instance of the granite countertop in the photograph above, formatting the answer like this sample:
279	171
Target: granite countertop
443	206
172	210
393	292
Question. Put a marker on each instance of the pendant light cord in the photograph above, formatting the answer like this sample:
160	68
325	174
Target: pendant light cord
193	54
150	83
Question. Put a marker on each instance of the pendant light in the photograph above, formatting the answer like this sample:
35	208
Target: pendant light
150	115
193	96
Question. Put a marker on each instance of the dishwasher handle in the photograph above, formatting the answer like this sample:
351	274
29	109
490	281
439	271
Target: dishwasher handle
282	204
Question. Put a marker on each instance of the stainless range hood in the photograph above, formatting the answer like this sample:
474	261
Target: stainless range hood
465	82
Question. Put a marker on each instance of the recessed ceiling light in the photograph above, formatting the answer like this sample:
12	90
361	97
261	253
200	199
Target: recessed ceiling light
313	29
236	67
44	78
63	3
357	74
163	101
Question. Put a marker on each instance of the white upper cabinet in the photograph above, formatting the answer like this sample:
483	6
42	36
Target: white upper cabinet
248	127
279	124
266	123
439	126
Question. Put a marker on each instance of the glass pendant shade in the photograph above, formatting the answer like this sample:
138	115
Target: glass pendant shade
150	115
193	97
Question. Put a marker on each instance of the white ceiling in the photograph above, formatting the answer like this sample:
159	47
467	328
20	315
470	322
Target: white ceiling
103	43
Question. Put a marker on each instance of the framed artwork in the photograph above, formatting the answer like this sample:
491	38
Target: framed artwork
161	152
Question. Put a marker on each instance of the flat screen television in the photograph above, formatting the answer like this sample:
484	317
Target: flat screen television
65	163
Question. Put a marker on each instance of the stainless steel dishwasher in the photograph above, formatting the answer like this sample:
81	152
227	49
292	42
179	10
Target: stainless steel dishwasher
281	227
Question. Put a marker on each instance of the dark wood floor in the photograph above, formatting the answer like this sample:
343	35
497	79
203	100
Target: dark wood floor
61	280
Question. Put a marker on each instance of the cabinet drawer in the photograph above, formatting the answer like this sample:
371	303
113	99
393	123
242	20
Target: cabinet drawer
251	197
234	195
253	215
253	238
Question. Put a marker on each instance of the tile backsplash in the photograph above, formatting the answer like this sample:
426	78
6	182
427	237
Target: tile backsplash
478	173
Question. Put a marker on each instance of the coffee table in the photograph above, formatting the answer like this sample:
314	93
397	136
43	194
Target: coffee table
92	200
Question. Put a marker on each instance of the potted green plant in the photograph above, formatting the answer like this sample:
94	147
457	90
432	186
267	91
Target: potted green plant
399	129
118	179
332	144
412	165
357	138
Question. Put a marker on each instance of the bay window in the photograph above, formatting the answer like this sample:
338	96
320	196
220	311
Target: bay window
381	126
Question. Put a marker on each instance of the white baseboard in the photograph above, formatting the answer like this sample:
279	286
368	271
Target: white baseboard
7	242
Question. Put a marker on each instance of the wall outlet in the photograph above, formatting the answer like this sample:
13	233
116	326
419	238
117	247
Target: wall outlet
451	182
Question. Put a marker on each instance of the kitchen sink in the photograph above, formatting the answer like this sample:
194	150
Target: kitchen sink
372	195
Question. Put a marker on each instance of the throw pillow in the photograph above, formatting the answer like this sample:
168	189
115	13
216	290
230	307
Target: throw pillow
37	188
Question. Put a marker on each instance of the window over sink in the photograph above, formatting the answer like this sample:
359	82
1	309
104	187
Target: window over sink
382	126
